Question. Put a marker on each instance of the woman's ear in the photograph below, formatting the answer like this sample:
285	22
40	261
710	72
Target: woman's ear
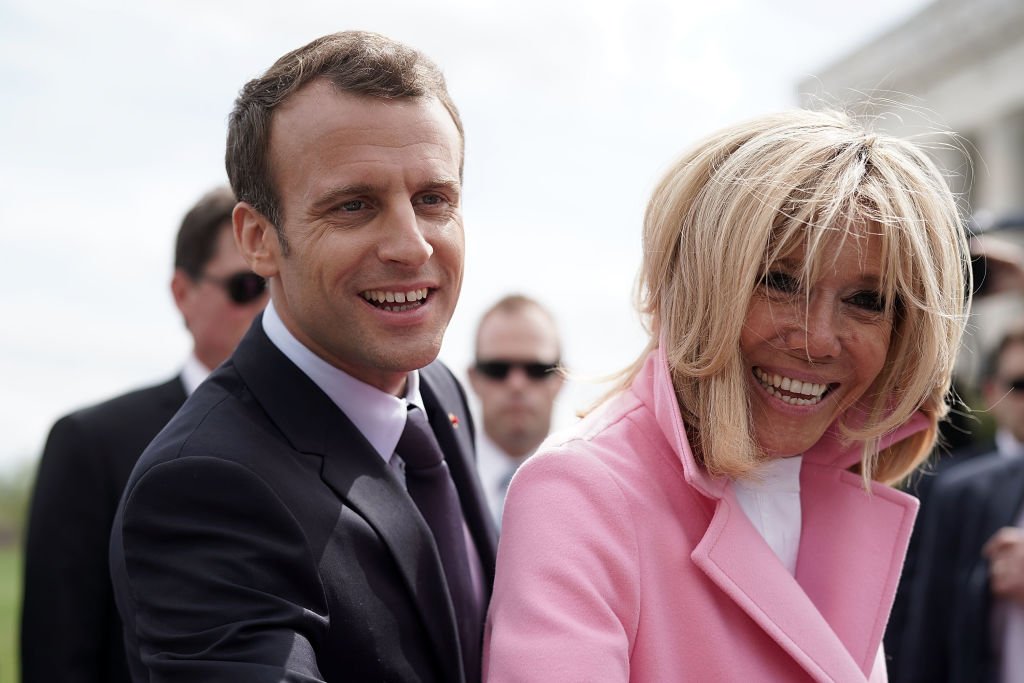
257	239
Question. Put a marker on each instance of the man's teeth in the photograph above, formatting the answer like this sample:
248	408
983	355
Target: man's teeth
383	298
809	393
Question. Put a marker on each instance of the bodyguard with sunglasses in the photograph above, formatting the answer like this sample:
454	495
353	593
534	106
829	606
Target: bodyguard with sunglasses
516	378
70	627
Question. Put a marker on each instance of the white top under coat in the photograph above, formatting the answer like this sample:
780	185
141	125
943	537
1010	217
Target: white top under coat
771	500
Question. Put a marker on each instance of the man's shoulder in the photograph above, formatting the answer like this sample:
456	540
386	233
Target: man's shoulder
145	409
221	420
974	477
133	402
213	408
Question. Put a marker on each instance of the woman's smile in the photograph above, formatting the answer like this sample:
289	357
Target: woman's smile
813	352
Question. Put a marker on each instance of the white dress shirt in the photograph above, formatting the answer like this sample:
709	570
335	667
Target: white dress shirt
771	500
193	373
495	468
379	416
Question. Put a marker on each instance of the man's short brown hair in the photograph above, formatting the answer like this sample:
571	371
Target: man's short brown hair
355	62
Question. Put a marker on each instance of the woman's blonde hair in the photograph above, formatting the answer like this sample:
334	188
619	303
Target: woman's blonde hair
757	191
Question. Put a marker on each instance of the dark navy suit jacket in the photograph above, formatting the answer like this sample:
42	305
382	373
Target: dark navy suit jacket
949	624
261	538
70	629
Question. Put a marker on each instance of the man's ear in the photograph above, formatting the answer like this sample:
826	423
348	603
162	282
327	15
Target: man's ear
181	287
474	379
257	240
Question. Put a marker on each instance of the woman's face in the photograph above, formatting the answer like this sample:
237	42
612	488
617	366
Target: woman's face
810	355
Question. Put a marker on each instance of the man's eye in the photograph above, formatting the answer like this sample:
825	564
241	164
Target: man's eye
781	282
353	205
431	199
869	301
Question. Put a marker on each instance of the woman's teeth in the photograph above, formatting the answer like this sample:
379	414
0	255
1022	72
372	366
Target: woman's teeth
789	390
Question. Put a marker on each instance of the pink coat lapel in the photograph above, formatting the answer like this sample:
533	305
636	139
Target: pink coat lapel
850	539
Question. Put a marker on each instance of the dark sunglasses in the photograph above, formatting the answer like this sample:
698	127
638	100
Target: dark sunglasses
242	288
499	369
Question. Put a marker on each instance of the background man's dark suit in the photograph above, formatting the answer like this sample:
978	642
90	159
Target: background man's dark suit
85	465
949	637
272	543
919	485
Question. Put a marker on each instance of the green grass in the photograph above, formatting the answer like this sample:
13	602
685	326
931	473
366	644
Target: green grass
10	601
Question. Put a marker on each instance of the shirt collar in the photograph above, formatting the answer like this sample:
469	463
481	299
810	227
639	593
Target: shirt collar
379	416
1007	445
193	373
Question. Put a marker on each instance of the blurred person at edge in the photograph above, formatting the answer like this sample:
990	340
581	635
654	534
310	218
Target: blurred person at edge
968	433
724	515
965	618
70	628
516	378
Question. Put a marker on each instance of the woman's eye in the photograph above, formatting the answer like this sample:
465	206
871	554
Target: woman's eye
869	301
781	282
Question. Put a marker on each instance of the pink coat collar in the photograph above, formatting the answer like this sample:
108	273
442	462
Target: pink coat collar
829	451
831	616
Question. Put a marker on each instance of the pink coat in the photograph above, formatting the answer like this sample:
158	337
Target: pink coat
620	559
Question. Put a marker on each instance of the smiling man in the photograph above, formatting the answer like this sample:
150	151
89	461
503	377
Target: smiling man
313	513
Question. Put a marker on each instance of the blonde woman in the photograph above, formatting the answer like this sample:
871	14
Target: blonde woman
725	514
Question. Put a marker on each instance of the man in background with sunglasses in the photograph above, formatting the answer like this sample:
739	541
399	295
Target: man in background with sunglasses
966	611
71	630
516	378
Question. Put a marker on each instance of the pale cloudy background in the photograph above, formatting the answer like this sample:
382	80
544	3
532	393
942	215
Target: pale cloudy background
112	123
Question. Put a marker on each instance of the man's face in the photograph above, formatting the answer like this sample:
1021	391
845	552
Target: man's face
1007	404
370	198
517	409
215	322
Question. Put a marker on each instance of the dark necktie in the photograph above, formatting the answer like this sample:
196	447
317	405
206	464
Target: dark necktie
431	488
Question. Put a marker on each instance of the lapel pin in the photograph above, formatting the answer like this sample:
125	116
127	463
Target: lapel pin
453	418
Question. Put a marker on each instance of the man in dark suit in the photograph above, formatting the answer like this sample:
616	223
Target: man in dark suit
966	612
289	523
70	629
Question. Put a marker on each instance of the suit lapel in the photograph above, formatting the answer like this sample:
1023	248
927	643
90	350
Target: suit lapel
362	479
313	424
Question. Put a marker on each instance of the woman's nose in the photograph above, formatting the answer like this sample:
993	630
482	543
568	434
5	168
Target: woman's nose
817	332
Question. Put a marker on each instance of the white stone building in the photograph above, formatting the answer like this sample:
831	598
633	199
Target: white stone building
957	65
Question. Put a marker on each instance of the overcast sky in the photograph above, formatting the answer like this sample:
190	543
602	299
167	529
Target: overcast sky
112	124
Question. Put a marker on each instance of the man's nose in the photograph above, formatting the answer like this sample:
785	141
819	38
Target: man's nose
403	240
517	377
